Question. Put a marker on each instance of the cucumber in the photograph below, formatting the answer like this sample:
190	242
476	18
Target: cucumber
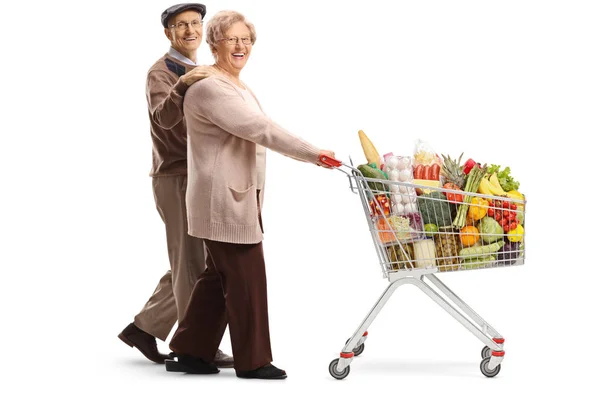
374	173
475	252
476	263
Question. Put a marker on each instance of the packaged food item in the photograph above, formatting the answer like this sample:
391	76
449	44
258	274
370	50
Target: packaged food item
380	205
427	165
424	253
402	228
385	229
400	256
447	248
399	169
425	186
424	154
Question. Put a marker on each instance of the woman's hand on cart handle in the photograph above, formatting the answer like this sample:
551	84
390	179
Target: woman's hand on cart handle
327	159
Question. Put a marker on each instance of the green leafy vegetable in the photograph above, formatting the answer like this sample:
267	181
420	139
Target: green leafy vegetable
435	209
507	182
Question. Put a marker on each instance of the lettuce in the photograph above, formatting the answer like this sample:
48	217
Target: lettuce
507	182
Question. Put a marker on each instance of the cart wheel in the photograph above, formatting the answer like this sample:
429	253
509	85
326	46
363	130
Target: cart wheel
333	370
357	350
486	352
490	373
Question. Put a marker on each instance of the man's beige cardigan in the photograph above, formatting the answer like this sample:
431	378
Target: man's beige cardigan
223	131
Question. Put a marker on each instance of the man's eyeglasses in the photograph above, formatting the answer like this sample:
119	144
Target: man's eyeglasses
232	41
182	26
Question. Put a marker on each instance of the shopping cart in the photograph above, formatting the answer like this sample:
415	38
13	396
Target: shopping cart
411	247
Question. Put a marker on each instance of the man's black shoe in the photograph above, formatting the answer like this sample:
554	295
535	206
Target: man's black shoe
191	365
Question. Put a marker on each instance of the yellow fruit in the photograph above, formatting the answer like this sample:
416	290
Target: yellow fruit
516	235
484	187
495	186
513	194
370	151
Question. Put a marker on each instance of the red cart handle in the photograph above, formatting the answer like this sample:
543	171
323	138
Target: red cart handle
330	162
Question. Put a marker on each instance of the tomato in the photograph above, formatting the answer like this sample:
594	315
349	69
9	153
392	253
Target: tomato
498	215
513	226
513	206
490	212
453	197
505	213
505	204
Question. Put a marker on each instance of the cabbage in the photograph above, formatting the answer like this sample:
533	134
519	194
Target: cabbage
490	230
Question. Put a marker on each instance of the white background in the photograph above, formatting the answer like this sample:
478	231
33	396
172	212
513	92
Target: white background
513	83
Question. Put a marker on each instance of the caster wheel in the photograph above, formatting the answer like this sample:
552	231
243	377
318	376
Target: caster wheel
490	373
334	372
486	352
357	350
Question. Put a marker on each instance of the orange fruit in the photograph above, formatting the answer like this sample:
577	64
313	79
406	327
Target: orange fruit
469	235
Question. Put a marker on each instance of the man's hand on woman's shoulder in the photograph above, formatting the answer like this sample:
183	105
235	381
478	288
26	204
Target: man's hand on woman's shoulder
199	73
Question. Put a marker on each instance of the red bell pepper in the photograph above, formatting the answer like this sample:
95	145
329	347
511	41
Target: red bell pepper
469	164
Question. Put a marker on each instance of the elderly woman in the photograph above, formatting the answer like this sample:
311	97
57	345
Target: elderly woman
227	134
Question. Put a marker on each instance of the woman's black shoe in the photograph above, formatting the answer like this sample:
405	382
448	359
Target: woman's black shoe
190	365
268	371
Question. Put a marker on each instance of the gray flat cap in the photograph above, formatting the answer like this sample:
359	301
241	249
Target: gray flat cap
179	8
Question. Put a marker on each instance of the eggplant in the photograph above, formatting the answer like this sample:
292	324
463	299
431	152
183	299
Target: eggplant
509	253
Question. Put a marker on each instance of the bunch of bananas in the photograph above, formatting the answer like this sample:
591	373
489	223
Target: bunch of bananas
491	186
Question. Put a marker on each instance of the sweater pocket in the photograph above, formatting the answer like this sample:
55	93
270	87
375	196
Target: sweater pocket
243	205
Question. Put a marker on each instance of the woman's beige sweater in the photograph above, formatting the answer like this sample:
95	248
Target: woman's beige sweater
223	131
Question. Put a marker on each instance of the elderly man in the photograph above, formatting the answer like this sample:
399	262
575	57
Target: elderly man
167	82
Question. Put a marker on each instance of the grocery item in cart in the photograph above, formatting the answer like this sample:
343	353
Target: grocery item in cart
380	205
447	248
469	236
371	172
477	209
427	168
400	256
490	230
399	228
425	253
399	169
424	154
479	256
425	186
454	173
509	253
369	149
435	209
